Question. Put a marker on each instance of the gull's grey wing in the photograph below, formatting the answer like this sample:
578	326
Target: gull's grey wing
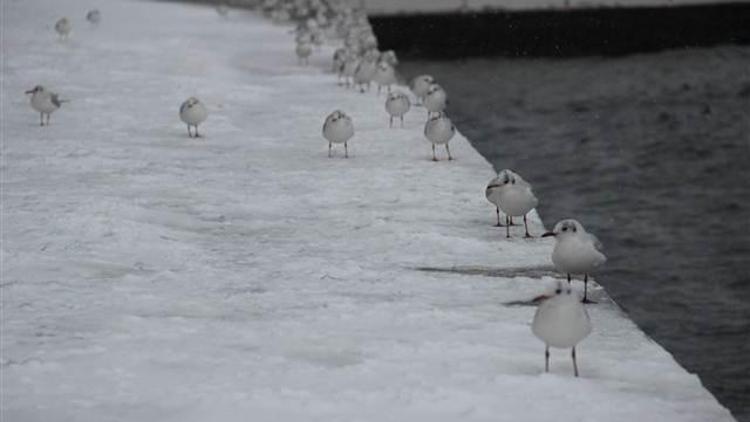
55	100
597	244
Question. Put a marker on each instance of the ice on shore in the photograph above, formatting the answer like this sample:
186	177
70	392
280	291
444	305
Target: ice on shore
244	275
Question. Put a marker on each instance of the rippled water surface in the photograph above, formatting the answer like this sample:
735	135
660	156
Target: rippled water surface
651	153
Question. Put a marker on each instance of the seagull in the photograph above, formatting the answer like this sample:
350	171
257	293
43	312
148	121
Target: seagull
94	16
339	57
389	56
303	50
338	129
63	28
45	102
435	99
420	85
397	104
350	66
561	321
492	193
514	198
439	130
365	72
222	10
193	112
317	37
576	251
385	75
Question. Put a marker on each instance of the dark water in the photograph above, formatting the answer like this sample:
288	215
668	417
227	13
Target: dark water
651	153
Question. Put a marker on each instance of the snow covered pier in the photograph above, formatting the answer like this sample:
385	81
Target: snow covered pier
148	276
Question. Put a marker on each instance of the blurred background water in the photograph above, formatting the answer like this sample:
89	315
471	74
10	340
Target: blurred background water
652	154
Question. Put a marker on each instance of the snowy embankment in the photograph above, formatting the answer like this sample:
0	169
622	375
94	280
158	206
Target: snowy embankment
246	276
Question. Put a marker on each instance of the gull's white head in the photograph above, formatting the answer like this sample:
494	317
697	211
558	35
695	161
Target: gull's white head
336	116
434	88
397	95
421	84
372	55
35	90
93	16
506	177
566	228
425	79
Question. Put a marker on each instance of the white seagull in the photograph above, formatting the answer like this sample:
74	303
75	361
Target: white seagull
193	113
389	56
63	28
561	321
435	100
492	193
397	104
439	130
420	85
385	76
347	70
94	16
338	129
339	57
514	198
222	10
303	50
45	102
365	72
576	251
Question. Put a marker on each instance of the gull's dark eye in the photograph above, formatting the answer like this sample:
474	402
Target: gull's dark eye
565	229
558	291
574	229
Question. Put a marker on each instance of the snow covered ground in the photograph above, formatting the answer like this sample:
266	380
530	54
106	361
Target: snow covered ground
246	276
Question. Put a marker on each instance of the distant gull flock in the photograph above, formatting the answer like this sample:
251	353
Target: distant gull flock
561	320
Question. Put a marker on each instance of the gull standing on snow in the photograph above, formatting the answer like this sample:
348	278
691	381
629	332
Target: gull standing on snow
385	76
420	85
94	16
222	10
397	104
193	113
389	56
562	322
514	197
339	57
492	193
351	63
45	102
338	129
63	28
439	130
365	72
576	251
303	50
435	100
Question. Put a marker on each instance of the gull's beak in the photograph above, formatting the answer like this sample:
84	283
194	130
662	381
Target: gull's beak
548	234
31	91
